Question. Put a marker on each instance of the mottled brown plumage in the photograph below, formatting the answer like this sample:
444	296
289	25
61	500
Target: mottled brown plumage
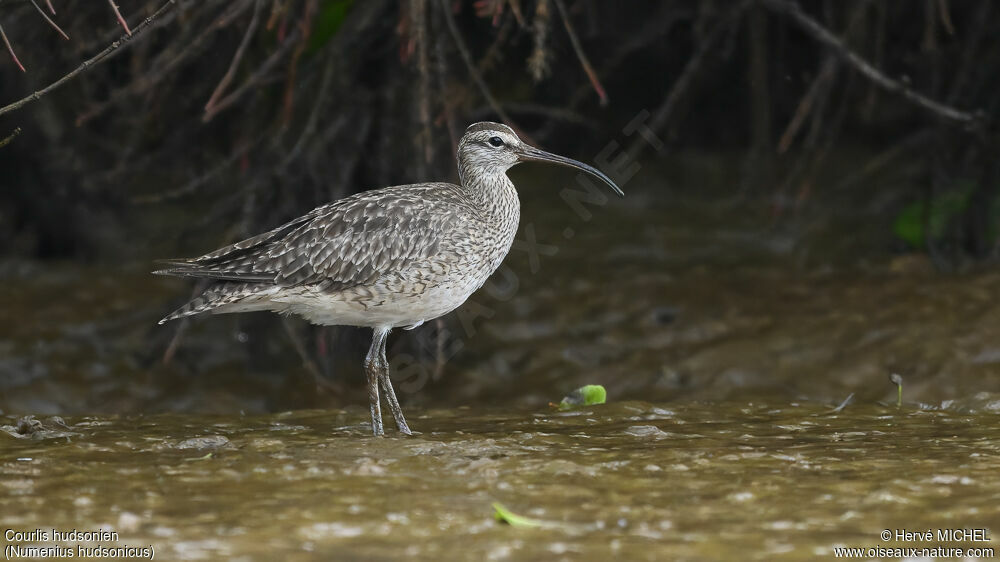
387	258
338	246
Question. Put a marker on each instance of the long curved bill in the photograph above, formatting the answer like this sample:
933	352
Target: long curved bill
532	154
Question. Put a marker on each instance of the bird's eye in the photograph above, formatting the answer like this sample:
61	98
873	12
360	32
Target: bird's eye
496	141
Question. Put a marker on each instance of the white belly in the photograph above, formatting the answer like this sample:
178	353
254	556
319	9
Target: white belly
374	307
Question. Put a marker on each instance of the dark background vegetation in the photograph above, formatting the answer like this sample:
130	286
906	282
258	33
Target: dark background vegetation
220	118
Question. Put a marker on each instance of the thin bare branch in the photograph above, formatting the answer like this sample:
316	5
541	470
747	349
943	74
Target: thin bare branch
322	382
5	141
823	35
99	57
819	84
175	341
515	8
51	8
971	59
277	10
118	14
159	70
257	77
11	50
201	180
494	54
313	120
441	77
552	113
946	16
666	110
538	62
231	72
463	50
805	106
418	13
578	49
881	160
49	20
305	26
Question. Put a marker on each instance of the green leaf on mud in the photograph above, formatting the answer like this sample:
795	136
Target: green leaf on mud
202	458
584	396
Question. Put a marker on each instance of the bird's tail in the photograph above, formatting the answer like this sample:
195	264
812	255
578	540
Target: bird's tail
221	298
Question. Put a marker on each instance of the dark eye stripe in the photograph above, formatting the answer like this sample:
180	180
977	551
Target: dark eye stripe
496	141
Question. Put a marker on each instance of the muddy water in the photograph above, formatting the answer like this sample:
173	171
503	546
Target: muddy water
632	481
725	340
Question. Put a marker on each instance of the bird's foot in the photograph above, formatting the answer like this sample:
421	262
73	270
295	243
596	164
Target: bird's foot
403	428
379	431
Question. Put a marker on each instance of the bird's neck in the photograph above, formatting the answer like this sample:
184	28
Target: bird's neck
494	193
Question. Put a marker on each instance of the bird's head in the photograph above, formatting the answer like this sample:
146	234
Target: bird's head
494	148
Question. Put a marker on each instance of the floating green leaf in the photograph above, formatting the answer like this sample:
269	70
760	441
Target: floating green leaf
202	458
584	396
504	515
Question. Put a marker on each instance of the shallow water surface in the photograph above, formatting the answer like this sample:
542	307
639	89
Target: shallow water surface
632	480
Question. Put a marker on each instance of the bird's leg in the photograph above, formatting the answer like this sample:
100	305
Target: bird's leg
397	412
390	394
372	370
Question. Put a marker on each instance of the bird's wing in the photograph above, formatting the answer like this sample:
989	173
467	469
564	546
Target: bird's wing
350	242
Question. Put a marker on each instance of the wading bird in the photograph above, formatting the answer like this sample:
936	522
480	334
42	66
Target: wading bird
388	258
